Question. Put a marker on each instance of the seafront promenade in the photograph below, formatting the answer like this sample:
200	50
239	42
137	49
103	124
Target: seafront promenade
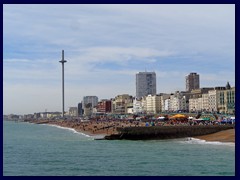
137	130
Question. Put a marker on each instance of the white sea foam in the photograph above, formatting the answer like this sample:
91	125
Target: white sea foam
99	136
191	140
70	129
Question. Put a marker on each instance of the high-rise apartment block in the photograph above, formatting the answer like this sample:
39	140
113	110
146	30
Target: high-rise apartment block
91	100
80	109
145	84
192	81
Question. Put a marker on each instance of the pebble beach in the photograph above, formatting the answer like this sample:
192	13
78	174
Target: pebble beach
222	136
93	128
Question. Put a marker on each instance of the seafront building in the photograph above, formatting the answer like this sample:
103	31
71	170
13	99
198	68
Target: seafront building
73	111
80	110
87	110
177	102
120	103
163	97
45	115
167	105
36	115
199	99
94	110
197	93
207	99
192	81
28	116
137	106
14	117
218	99
153	104
205	103
174	102
145	84
226	101
92	100
130	108
104	106
213	96
212	100
88	104
195	104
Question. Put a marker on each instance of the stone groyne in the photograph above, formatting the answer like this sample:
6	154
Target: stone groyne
165	132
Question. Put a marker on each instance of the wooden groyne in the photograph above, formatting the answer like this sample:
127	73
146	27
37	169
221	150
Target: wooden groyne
165	132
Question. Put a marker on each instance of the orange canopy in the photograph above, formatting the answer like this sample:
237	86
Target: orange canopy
179	116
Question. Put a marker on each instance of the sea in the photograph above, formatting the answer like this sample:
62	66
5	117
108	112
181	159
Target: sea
47	150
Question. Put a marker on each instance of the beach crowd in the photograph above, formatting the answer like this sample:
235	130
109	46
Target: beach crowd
109	126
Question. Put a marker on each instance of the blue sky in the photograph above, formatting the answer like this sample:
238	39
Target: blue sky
106	45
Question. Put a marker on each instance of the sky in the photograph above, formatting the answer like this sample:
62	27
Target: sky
105	46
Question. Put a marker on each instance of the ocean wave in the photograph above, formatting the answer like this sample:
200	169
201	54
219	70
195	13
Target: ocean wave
191	140
66	128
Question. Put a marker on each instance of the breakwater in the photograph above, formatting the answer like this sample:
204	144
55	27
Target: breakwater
165	132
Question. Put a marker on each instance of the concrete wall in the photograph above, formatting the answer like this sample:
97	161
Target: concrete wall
166	132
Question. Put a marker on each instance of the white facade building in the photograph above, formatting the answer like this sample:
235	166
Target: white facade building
195	104
205	102
200	104
153	103
137	106
167	105
177	102
212	100
163	97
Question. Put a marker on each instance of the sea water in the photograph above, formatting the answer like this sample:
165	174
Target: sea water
43	150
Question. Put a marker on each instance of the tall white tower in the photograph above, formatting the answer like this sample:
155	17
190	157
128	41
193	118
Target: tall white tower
63	61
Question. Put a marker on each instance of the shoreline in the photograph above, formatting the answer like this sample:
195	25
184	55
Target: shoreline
75	128
221	136
68	128
101	130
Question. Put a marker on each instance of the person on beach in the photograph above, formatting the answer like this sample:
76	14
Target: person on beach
152	123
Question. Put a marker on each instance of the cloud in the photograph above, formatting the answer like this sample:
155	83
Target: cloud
36	71
217	78
17	60
119	54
